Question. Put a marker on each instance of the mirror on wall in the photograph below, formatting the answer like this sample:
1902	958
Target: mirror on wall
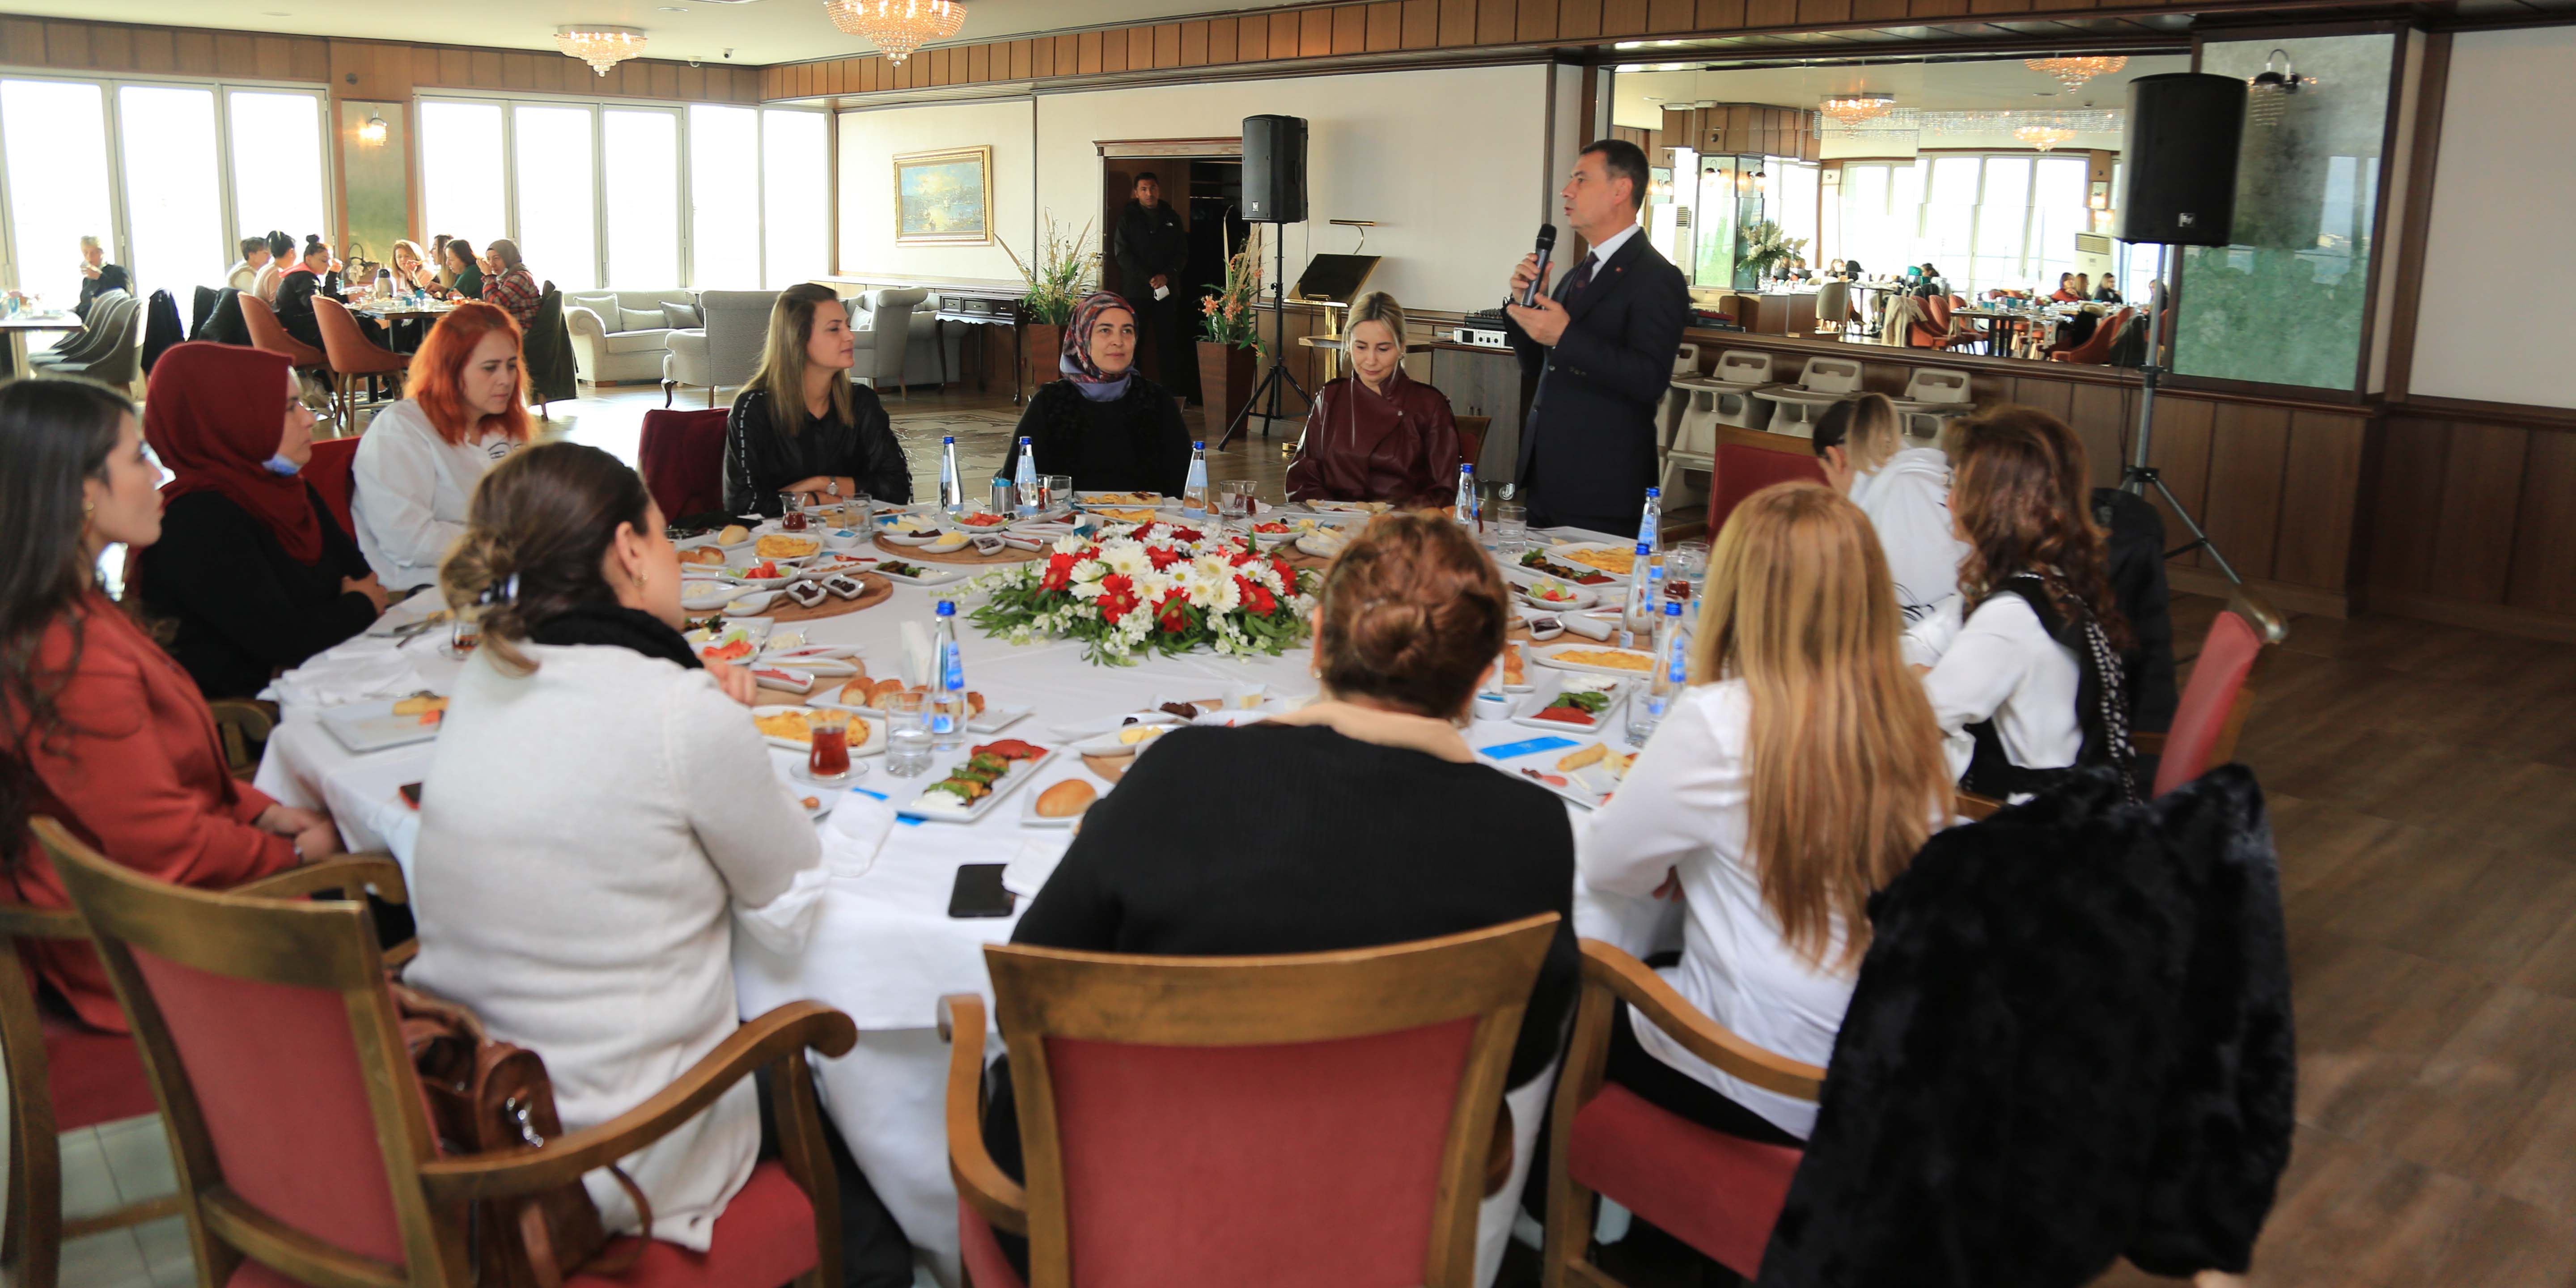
1951	204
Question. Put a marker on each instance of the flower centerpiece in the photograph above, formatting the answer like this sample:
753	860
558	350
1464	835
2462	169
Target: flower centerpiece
1767	249
1064	273
1156	589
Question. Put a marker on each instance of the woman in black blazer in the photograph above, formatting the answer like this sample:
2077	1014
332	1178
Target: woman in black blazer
252	572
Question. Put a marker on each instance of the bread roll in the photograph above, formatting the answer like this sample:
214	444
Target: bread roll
1066	799
1580	757
734	534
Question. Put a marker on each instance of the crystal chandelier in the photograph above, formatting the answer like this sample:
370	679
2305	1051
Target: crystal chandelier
2043	137
898	26
601	47
1850	110
2072	70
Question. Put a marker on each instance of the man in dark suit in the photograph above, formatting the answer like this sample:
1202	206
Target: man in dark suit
1153	251
1602	345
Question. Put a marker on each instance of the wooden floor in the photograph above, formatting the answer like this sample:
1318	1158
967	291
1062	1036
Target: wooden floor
2422	783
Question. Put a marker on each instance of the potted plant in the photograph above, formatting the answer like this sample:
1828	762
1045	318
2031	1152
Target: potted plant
1765	251
1230	346
1065	273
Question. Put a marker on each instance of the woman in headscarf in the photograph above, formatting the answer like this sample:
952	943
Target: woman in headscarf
1104	423
251	567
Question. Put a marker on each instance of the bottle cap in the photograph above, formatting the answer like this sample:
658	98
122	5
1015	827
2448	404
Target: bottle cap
1024	440
947	608
1654	491
1643	549
1466	469
1672	609
1198	446
950	439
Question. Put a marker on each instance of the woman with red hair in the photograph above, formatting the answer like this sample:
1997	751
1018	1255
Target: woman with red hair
420	458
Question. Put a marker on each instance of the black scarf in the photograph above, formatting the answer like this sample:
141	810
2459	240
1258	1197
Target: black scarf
623	627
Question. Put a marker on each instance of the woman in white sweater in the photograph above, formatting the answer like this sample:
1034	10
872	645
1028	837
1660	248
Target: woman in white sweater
1797	775
420	459
1905	491
2025	668
598	819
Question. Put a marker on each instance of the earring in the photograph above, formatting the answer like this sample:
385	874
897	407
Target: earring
89	509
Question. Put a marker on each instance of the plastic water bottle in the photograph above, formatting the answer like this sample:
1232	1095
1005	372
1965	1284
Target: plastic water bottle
1464	510
949	712
1672	672
1028	481
1650	524
952	487
1645	588
1194	489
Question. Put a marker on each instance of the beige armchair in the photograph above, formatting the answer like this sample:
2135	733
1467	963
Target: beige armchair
617	336
723	353
886	315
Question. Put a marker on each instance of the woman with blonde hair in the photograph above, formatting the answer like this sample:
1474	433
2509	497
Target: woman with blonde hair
1377	434
1796	777
1905	491
802	425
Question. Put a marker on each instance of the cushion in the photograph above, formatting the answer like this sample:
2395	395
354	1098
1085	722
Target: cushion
636	341
603	303
1718	1193
640	319
681	315
765	1238
93	1077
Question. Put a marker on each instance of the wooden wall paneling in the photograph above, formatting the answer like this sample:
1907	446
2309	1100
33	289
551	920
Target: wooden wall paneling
2481	492
1671	15
1224	41
1421	24
67	45
308	59
1143	44
1284	36
1457	23
193	52
1068	55
483	68
1086	53
1252	39
1538	21
1723	15
1022	54
111	48
1194	44
1384	27
519	71
1623	17
1578	19
2405	508
154	50
455	68
1821	13
2320	486
1770	13
2056	397
2180	453
2248	448
936	66
1877	10
2099	416
273	57
1041	58
1314	32
2544	542
22	41
1497	21
235	54
1350	29
979	64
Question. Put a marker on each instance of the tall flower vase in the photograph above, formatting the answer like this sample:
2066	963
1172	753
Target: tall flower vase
1041	348
1226	376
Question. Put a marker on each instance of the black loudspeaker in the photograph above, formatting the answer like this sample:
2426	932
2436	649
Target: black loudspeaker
2179	159
1274	169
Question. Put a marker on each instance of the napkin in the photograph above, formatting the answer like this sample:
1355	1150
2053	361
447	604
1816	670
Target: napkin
1028	870
855	831
917	659
1588	627
346	674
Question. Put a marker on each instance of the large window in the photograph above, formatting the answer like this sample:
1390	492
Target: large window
558	222
724	211
277	162
796	192
58	181
463	192
2007	220
173	196
641	179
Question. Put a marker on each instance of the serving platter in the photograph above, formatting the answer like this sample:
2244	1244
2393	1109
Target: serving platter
373	726
1555	655
1021	774
865	739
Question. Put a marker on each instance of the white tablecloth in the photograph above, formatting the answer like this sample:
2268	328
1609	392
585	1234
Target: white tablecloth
884	949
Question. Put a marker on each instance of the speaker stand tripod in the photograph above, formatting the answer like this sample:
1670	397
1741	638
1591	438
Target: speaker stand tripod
2138	476
1277	380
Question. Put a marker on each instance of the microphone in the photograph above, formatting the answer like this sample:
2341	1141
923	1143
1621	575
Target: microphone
1546	247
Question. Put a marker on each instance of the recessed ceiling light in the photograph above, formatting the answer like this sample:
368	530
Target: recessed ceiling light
673	8
275	13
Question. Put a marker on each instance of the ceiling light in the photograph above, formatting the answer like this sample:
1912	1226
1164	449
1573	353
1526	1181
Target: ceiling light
2268	91
601	47
2043	137
2072	70
898	26
1852	109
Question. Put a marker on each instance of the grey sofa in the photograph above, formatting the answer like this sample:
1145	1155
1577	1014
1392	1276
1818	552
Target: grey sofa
723	353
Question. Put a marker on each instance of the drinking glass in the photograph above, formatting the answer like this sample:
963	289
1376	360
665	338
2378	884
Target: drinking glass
949	711
465	634
1055	492
1511	529
791	512
859	508
829	760
1234	498
1684	565
907	717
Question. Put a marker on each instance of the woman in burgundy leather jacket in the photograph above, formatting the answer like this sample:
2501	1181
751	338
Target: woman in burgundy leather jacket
1378	434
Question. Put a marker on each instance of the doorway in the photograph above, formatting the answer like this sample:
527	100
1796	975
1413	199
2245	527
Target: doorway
1207	194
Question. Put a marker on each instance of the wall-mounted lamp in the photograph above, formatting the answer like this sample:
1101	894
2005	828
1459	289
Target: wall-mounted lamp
373	132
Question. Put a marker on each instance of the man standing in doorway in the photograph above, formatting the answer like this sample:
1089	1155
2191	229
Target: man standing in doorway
1602	345
1153	251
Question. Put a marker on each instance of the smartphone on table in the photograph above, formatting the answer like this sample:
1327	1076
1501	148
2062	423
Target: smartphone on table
979	892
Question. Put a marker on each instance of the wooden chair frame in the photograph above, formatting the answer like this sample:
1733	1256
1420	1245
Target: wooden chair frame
1234	1001
239	724
1611	977
250	934
36	1229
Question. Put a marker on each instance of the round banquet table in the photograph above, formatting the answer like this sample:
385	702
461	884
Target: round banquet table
883	948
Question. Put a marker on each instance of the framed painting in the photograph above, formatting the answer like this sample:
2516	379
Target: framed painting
944	198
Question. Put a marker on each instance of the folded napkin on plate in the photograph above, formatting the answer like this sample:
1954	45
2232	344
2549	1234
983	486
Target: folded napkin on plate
351	673
856	830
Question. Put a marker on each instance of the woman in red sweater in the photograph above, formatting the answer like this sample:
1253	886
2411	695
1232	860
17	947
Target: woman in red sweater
99	728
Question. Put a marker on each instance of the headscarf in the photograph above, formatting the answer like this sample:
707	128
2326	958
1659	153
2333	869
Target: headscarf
212	413
1076	364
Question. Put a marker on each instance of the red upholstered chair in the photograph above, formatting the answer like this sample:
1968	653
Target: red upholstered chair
2215	700
64	1076
333	473
2096	347
1739	471
299	1133
683	460
1316	1119
266	332
1718	1193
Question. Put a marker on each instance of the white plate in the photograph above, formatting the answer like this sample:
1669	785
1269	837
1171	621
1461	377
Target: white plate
865	739
909	539
1588	788
818	569
794	652
1550	684
1030	817
931	575
1548	657
751	630
708	596
1561	551
785	679
373	726
1584	596
1094	728
1021	775
994	719
751	603
1321	545
1122	500
1349	507
1110	744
